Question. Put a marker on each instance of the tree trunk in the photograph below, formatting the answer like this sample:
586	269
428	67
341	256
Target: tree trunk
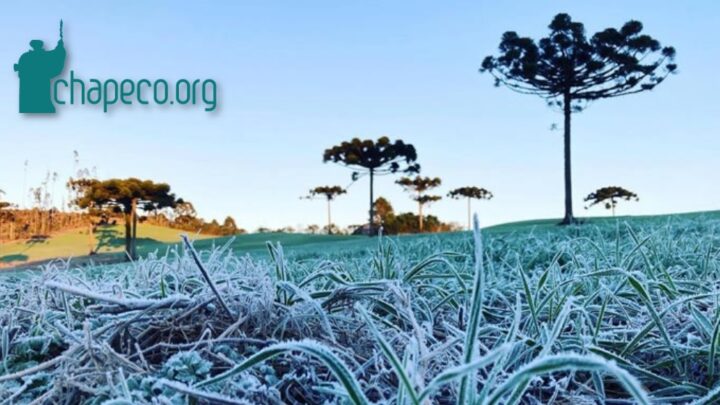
469	215
371	222
128	231
133	242
567	110
91	239
329	218
420	221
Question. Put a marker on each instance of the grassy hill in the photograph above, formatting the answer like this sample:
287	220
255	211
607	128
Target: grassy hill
110	240
545	224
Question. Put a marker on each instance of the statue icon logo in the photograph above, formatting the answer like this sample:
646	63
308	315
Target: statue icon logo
35	69
42	88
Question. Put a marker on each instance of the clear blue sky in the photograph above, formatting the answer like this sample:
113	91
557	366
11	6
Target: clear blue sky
297	77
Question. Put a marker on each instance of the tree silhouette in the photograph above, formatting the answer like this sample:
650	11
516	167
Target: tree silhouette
374	158
418	186
569	70
125	196
610	195
329	192
469	193
3	204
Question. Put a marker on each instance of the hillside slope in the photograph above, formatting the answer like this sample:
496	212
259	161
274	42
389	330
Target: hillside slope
110	242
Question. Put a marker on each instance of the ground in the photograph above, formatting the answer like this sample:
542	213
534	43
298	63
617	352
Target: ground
618	310
76	243
110	241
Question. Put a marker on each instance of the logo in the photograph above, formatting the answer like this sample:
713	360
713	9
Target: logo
40	94
35	69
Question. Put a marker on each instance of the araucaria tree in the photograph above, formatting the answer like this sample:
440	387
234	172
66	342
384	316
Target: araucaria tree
374	158
125	196
469	193
329	193
418	186
569	70
610	196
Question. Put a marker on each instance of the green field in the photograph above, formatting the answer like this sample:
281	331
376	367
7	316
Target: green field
109	244
622	310
109	241
77	243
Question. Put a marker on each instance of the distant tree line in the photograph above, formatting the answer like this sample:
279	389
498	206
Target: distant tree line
184	217
407	222
18	224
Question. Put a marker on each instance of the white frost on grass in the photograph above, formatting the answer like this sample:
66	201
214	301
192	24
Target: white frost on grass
589	313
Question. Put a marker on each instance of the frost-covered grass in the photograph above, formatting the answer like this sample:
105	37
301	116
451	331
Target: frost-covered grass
614	312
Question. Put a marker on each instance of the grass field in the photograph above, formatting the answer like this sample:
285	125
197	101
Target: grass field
615	311
109	239
109	242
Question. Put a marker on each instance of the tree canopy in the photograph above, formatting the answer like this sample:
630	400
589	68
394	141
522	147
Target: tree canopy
419	184
122	194
610	196
381	156
611	63
383	208
470	192
329	192
427	199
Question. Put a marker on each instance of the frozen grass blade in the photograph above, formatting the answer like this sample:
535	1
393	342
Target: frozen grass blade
645	297
392	357
475	315
309	347
210	397
206	275
568	361
714	338
712	398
